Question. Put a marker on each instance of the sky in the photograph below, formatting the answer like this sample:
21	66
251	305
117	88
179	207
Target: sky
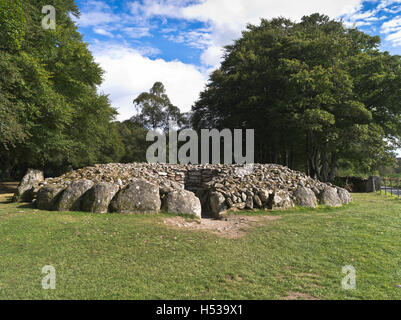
180	42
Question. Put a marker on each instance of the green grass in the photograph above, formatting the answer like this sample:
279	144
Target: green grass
112	256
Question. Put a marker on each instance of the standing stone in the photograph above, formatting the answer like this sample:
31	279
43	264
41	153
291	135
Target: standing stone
217	204
25	190
257	203
344	195
47	196
182	202
70	199
280	200
305	197
264	196
329	197
249	202
139	196
99	197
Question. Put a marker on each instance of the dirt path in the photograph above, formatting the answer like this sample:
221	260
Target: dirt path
230	227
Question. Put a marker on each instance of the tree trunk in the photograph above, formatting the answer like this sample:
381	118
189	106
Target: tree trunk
325	167
333	170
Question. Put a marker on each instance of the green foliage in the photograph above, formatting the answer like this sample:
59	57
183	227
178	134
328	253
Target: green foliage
11	130
12	21
134	140
50	112
155	111
316	93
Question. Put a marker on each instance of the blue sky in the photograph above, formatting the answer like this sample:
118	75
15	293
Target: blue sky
179	42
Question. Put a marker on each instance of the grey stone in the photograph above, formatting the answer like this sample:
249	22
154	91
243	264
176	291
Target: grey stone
182	202
305	197
240	206
139	196
70	199
280	200
329	197
264	196
344	195
257	203
98	198
25	190
230	203
249	202
47	196
217	204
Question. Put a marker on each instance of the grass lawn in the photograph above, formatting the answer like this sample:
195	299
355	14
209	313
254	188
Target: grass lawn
112	256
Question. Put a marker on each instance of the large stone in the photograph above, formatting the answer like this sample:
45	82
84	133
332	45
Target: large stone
249	202
217	204
139	196
257	203
70	199
264	196
239	191
25	190
182	202
280	200
305	197
329	197
98	198
47	196
344	195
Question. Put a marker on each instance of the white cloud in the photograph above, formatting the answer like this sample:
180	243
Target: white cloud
137	32
128	73
391	26
395	38
94	18
227	18
386	3
212	56
102	32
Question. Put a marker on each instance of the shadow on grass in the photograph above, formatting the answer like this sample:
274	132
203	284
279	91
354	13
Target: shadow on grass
6	199
26	206
319	209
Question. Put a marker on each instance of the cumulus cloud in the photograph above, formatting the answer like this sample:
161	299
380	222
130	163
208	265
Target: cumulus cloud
128	73
227	18
102	32
137	32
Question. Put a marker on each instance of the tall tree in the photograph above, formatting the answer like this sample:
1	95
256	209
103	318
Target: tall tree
133	137
316	93
155	111
48	96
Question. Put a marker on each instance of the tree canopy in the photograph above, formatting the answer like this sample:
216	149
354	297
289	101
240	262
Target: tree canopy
155	111
316	93
51	114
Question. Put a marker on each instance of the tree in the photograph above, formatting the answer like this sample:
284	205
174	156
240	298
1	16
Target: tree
316	93
134	140
12	22
51	114
155	111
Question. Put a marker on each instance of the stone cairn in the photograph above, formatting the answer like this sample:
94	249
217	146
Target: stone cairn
201	190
